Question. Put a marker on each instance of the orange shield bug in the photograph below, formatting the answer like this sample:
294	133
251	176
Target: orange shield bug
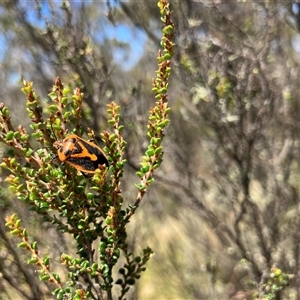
81	154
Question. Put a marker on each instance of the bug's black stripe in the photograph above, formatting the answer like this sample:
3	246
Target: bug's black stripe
87	164
90	149
77	148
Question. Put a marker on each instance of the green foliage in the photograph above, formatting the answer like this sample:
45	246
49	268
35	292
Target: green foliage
273	283
43	262
158	118
88	209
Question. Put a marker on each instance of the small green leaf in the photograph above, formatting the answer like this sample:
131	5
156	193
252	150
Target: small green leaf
75	97
137	259
120	165
145	169
17	135
3	165
22	245
66	91
168	29
102	247
20	187
131	281
46	260
150	152
158	150
141	187
108	220
24	137
5	111
44	205
18	223
81	224
32	260
56	277
90	196
9	136
111	239
52	96
53	108
66	115
140	174
167	56
34	245
15	232
80	189
64	100
112	137
44	277
94	267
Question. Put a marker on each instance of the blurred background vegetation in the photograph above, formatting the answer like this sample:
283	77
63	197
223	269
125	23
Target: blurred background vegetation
225	207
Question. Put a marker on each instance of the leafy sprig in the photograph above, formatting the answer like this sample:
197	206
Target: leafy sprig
86	208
